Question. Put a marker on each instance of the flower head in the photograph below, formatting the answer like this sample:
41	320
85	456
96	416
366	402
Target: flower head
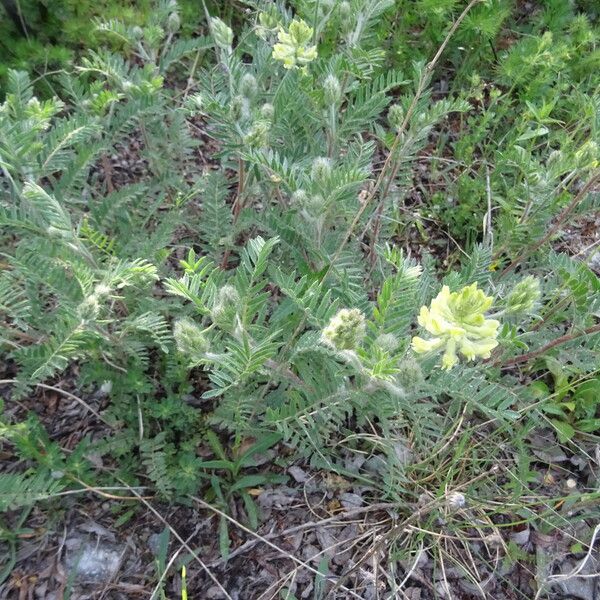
225	306
222	33
190	339
294	48
345	330
524	296
458	324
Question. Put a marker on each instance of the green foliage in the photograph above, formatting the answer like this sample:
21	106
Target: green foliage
247	290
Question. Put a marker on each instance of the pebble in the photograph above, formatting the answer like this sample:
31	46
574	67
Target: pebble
93	561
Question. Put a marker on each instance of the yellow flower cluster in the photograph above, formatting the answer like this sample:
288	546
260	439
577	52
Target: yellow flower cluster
294	49
458	324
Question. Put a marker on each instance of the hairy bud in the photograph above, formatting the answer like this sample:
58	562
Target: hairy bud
409	375
524	296
222	34
332	89
173	23
137	32
102	290
345	12
299	198
258	135
396	116
225	307
267	112
190	339
89	308
455	501
388	342
321	169
239	109
248	86
346	329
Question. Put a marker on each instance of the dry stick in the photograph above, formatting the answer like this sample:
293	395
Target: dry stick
402	526
163	575
267	542
64	393
561	340
353	512
411	109
236	207
559	222
181	541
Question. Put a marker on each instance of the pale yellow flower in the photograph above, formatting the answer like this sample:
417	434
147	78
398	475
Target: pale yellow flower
458	324
294	49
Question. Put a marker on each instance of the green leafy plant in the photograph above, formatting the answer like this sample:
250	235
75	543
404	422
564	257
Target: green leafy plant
267	299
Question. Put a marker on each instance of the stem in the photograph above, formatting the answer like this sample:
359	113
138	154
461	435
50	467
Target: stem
557	342
566	212
423	79
237	206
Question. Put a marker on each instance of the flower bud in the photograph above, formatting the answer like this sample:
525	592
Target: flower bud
332	90
137	32
267	25
173	23
299	198
345	330
239	109
225	306
89	308
345	12
388	342
222	34
248	86
396	116
321	170
267	112
524	296
258	135
409	375
102	290
190	339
